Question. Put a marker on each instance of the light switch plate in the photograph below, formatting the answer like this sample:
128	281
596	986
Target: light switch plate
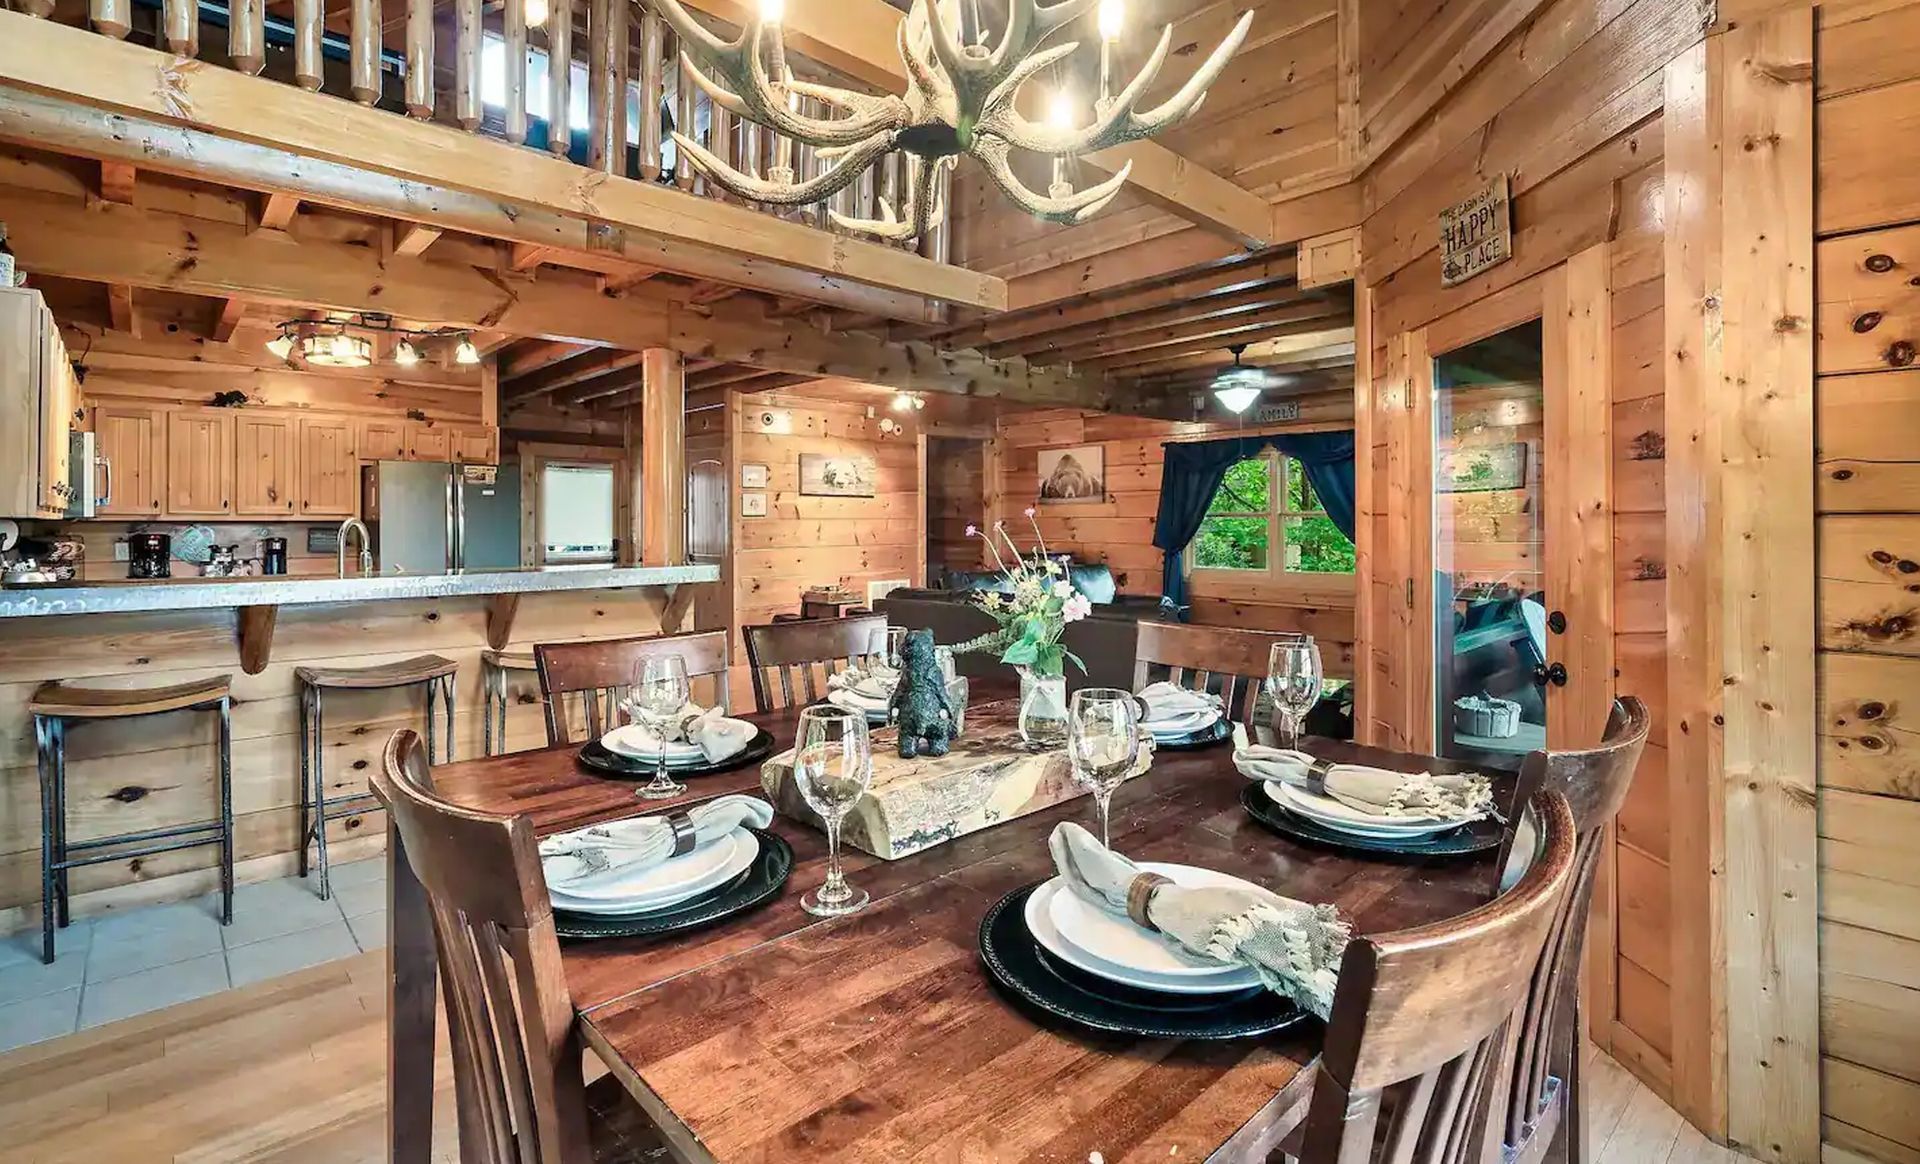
120	551
753	476
753	505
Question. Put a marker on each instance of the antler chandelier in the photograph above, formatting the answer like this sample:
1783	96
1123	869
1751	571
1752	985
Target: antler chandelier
960	100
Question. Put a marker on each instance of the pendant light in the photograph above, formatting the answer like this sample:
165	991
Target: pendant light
1239	386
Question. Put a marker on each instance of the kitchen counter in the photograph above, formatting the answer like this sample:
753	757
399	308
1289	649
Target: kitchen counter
133	596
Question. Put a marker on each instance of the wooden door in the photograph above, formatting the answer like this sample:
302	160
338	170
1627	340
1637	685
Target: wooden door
131	441
383	440
266	479
427	442
59	409
476	445
329	470
200	463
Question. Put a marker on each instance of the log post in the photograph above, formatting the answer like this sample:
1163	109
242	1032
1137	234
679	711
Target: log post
466	63
686	120
660	476
420	58
720	141
247	35
652	89
37	8
182	20
513	34
364	71
307	17
608	70
112	18
560	77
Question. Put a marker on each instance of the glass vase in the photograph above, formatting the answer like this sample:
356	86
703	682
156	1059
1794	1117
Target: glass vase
1043	709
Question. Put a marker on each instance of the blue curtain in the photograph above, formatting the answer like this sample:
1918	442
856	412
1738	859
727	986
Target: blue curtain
1193	471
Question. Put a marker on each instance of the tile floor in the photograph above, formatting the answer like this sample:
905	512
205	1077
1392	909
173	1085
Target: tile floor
123	964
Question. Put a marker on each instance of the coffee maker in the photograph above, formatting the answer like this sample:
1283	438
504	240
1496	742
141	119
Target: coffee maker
149	555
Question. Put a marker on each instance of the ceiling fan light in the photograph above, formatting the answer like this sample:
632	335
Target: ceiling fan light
1236	398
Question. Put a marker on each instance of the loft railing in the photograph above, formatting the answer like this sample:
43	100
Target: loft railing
482	67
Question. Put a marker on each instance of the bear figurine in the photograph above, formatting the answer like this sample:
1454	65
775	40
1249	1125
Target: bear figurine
919	704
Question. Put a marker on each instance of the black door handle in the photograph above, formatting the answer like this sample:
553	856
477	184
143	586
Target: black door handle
1557	623
1554	673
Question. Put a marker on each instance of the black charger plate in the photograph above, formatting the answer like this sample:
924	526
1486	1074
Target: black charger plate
1219	731
1016	961
1483	834
757	884
596	756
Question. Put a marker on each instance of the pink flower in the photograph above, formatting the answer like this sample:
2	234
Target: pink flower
1076	608
1030	511
973	531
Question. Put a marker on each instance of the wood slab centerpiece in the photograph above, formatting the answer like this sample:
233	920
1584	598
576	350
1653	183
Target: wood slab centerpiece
988	777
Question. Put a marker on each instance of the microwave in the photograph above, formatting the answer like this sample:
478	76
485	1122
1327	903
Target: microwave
89	475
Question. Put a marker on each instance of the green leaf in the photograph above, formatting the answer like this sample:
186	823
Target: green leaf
1021	653
1077	661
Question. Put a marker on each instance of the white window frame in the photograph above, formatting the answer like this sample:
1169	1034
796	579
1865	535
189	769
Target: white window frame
1275	572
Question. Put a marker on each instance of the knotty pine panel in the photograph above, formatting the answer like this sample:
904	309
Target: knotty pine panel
1870	723
1870	583
1860	182
1868	314
1644	821
1886	1108
1867	1022
1865	44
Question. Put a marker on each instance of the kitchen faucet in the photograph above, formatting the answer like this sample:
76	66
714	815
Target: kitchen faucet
366	546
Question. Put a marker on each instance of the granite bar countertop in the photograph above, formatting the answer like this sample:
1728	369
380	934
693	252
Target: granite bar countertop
133	596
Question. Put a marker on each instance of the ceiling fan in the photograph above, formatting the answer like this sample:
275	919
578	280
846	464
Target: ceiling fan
1238	386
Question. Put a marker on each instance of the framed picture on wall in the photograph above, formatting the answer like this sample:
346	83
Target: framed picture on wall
823	476
753	476
1482	468
1074	475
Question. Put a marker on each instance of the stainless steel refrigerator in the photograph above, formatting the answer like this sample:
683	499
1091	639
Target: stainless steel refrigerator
430	517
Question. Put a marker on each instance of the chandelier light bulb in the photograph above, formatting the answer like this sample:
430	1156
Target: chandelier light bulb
902	402
536	13
466	353
1060	109
281	345
773	11
1113	14
405	354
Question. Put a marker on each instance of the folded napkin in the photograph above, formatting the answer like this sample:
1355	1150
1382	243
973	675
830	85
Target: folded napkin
1167	701
574	860
1378	791
1293	946
718	736
870	683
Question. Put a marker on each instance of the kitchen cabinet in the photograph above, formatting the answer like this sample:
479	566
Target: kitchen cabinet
132	448
266	465
476	445
383	440
200	463
39	397
329	468
429	442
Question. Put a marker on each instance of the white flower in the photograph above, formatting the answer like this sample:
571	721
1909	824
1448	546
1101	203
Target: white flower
1077	608
1063	589
990	600
1054	566
973	531
1030	511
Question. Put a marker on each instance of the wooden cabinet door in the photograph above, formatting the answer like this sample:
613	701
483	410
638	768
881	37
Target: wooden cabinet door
427	442
329	471
266	466
476	446
382	440
59	400
132	442
200	463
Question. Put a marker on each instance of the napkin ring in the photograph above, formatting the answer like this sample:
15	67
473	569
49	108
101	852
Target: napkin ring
1140	895
684	836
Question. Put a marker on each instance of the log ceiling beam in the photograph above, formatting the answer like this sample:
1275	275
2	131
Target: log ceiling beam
567	373
120	309
411	240
130	246
276	213
228	321
117	181
859	38
530	356
511	192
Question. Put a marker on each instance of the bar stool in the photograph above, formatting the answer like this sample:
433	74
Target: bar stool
53	706
316	809
494	666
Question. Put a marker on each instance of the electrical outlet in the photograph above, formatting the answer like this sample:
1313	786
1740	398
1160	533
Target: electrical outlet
120	551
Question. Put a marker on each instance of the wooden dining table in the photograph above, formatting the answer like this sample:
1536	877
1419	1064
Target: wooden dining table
779	1036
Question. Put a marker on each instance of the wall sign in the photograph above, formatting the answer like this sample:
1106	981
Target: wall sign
1278	412
1476	234
753	476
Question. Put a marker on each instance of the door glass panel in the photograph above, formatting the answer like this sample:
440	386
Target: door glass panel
1488	555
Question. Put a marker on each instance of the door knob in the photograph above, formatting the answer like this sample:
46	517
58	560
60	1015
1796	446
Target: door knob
1554	673
1557	623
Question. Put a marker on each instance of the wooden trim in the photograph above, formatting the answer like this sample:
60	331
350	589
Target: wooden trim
1364	551
1193	192
93	70
1764	405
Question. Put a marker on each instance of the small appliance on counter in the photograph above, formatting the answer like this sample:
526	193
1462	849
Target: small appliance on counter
224	563
273	555
149	555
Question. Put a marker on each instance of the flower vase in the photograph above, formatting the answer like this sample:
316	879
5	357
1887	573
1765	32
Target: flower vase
1043	709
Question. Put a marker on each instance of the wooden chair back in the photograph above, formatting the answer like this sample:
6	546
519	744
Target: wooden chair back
582	684
516	1051
1197	656
792	653
1417	1039
1546	1078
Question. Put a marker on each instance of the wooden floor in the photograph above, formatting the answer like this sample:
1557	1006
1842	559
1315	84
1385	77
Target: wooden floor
292	1071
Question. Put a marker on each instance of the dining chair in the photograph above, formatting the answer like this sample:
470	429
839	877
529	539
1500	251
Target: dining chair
1419	1036
793	651
1542	1117
1198	655
515	1047
594	676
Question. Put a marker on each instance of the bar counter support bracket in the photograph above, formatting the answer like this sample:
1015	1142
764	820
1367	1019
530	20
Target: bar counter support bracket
254	625
501	609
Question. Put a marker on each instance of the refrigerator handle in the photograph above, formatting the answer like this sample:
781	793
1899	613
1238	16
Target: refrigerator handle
451	556
459	519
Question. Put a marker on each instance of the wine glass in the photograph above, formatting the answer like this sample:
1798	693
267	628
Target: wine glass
896	646
1103	741
660	690
832	764
1293	678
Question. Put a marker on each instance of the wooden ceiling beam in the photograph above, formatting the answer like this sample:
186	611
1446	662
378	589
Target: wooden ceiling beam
120	309
1308	349
79	66
611	383
411	239
1258	298
1130	363
117	181
228	321
277	211
567	373
127	245
1309	315
529	356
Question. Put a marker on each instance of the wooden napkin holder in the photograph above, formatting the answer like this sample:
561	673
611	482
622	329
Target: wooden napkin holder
988	777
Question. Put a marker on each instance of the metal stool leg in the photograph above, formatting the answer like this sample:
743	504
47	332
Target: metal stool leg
306	774
320	791
43	741
58	727
431	684
226	812
447	683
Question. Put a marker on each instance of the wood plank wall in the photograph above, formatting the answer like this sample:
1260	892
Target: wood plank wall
1564	97
956	498
1868	501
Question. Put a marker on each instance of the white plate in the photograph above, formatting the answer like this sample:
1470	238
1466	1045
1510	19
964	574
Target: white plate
1333	814
1093	931
1186	725
1040	923
624	741
665	884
